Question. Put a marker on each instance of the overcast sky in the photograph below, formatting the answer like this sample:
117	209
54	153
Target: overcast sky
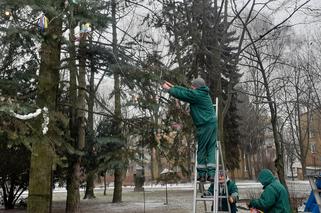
305	22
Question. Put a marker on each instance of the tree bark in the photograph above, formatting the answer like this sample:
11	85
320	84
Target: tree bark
105	183
90	185
118	172
40	181
154	164
73	195
118	183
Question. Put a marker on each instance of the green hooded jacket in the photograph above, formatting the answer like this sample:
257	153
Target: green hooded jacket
232	191
274	198
201	105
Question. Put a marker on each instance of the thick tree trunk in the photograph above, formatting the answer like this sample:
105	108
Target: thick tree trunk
40	180
118	174
73	196
40	183
73	182
90	186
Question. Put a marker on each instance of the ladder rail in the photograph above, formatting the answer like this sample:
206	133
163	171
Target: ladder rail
216	193
225	178
216	190
195	183
215	204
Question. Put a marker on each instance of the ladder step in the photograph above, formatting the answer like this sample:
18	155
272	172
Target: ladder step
220	169
220	196
217	211
208	198
204	199
205	182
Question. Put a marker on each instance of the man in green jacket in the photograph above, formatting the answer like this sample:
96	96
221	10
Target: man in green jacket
203	115
233	194
274	198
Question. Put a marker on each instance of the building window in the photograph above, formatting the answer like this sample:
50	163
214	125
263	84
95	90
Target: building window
311	133
313	148
245	167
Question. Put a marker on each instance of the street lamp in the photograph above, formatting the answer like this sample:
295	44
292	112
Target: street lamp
166	173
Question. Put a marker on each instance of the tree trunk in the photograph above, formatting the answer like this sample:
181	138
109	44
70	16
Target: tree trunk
90	185
249	166
73	195
154	162
189	158
8	195
279	162
105	183
40	179
118	173
118	183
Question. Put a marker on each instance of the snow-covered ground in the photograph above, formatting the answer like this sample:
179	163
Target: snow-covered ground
180	197
247	189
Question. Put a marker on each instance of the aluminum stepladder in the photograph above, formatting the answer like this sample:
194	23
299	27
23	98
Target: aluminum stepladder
220	169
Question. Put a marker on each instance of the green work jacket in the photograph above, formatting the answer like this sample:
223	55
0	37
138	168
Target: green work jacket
232	191
201	105
274	198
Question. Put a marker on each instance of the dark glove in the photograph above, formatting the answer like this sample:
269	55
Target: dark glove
249	205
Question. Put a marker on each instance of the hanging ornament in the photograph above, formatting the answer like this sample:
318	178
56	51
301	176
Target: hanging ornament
42	23
85	28
7	13
135	99
66	3
75	1
177	126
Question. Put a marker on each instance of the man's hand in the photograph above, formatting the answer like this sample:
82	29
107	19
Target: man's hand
231	199
166	85
249	205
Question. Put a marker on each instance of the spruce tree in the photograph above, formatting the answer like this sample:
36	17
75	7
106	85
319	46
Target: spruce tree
202	46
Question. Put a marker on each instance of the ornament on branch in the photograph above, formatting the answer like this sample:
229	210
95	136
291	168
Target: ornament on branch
66	3
85	29
43	23
7	13
177	126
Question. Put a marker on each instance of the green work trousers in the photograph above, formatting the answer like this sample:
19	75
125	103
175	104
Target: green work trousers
206	137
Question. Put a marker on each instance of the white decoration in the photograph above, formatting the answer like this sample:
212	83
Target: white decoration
45	123
28	116
45	114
